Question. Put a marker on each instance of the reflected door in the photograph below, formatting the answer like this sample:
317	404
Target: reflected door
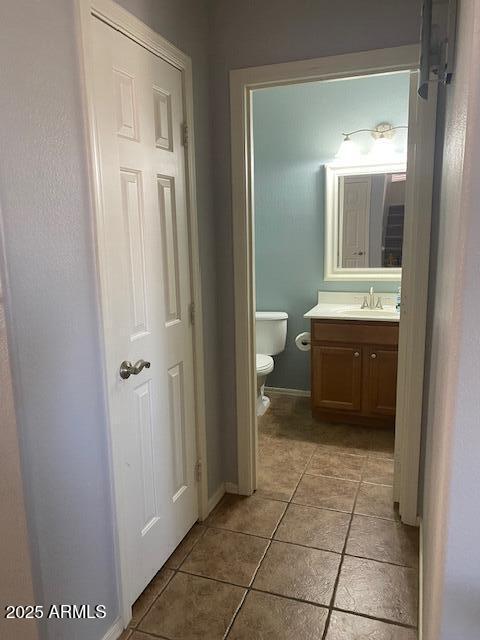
139	114
355	213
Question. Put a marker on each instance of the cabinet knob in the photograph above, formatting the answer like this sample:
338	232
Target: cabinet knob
373	356
356	354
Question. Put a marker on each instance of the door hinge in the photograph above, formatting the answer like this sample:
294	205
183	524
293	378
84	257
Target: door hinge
192	313
185	134
198	471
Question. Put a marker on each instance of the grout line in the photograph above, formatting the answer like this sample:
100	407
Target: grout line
337	580
368	617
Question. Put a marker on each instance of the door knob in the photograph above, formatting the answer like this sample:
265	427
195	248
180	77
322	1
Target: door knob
128	369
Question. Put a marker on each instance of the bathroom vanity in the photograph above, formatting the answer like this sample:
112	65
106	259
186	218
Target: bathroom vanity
354	354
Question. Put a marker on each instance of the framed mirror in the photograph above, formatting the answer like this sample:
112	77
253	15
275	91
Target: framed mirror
364	214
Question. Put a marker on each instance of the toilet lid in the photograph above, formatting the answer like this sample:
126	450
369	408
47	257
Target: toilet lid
264	363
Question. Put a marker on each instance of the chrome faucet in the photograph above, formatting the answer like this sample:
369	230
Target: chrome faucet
369	301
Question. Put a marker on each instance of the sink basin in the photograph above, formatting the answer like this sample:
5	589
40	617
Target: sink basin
391	313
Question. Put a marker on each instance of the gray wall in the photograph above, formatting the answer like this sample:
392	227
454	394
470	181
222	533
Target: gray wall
52	302
450	507
257	32
297	129
55	346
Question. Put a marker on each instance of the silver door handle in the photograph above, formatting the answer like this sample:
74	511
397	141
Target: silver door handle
128	369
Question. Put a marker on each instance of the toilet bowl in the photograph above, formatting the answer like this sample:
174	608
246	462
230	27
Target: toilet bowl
271	336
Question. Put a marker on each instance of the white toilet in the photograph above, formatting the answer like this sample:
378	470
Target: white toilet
271	336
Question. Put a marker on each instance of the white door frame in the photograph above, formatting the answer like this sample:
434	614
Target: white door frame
242	84
124	22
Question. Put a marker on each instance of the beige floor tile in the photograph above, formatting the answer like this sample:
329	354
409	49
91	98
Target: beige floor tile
383	540
345	626
379	590
314	527
378	471
345	438
264	616
337	465
185	546
298	572
226	555
126	635
330	493
139	635
252	514
286	454
281	405
193	608
376	500
383	443
146	599
275	482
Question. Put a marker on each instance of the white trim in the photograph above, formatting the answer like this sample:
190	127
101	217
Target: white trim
215	498
115	630
123	21
421	569
332	272
416	260
242	83
296	393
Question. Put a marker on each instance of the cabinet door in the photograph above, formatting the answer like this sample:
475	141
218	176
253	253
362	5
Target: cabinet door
381	380
337	377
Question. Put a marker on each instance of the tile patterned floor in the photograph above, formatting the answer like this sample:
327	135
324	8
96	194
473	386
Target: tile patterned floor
318	553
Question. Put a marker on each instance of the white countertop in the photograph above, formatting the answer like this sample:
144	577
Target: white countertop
340	305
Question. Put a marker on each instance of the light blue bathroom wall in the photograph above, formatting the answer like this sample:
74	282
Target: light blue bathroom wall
297	129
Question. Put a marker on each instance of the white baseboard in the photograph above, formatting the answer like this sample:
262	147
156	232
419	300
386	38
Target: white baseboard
289	392
215	498
230	487
115	630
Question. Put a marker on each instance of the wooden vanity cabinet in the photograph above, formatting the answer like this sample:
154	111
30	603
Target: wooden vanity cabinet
354	371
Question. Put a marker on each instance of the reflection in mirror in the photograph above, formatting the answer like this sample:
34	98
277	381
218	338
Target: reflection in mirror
371	210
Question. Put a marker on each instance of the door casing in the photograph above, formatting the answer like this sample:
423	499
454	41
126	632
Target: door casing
124	22
410	375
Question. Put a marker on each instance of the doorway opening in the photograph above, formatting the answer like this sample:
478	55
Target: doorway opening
373	237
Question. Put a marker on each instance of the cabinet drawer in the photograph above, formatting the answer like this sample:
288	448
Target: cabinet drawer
357	332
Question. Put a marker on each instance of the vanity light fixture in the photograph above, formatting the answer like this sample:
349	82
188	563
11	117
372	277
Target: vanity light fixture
382	135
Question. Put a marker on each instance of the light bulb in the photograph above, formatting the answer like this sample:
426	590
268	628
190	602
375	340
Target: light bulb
348	150
382	149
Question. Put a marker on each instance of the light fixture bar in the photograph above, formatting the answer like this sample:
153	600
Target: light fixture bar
351	133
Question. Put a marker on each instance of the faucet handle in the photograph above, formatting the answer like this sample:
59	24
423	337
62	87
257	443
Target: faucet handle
364	303
379	303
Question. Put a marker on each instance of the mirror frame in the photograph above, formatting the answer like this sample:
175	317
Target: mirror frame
332	272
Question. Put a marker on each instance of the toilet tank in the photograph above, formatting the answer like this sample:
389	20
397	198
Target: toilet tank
270	331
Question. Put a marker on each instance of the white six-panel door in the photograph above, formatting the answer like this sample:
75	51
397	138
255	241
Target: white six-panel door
147	296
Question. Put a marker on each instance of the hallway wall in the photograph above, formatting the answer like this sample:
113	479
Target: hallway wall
451	520
259	32
53	304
